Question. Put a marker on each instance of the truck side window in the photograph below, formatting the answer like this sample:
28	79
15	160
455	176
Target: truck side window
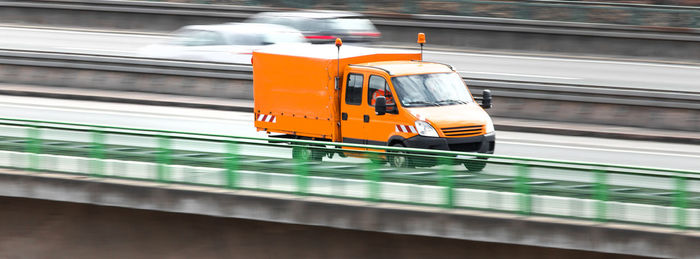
353	90
379	87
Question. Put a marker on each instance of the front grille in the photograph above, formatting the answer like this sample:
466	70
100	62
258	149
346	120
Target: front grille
464	131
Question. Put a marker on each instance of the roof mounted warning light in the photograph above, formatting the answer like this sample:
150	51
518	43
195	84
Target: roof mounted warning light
421	41
338	43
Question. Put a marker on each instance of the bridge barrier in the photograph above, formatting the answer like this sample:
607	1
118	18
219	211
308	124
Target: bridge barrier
525	186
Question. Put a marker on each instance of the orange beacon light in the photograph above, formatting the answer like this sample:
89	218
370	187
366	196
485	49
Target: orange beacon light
421	41
421	38
338	42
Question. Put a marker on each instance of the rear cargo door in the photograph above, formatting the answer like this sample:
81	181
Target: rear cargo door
352	110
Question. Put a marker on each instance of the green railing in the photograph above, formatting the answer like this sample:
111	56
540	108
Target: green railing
568	11
526	186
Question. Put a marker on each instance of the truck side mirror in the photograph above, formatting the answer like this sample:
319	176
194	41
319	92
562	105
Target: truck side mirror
380	105
486	99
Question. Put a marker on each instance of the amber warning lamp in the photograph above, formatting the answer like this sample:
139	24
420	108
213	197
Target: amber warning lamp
338	43
421	41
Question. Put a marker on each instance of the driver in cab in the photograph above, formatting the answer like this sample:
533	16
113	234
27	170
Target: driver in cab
390	104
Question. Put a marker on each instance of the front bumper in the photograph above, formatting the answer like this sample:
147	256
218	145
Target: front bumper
483	144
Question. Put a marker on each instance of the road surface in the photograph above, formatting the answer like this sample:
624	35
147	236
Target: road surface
577	71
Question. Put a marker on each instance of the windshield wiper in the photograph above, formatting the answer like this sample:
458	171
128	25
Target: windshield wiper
452	101
421	102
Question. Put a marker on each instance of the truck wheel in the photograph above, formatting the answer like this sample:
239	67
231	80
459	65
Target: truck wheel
306	154
475	165
399	161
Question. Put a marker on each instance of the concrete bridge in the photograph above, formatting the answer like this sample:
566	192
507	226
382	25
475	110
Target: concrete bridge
72	216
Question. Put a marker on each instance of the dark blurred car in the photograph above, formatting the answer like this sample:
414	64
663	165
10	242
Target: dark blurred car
323	26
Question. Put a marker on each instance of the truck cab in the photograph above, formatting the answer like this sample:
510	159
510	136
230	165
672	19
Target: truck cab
427	105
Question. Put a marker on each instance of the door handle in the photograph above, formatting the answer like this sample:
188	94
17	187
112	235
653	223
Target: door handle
344	116
366	118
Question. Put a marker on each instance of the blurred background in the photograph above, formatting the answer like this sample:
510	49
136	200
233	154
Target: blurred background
649	13
596	105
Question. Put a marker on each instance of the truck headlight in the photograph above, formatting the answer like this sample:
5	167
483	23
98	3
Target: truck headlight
489	125
424	129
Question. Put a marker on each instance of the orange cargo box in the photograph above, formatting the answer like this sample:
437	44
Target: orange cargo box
294	89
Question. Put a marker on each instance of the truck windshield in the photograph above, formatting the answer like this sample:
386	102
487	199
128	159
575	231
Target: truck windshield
431	90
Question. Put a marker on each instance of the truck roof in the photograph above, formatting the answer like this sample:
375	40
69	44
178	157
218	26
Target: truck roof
330	52
398	68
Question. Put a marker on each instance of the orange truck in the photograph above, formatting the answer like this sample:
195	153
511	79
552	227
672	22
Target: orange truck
368	96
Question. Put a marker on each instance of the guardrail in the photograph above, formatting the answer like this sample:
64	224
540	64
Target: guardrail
599	192
625	107
229	71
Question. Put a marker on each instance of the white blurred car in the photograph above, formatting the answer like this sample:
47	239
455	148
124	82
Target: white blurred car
229	43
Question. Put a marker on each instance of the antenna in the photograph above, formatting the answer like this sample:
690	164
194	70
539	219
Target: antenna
421	41
338	43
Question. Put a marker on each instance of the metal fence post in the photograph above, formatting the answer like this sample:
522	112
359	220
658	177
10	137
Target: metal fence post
409	6
163	158
524	10
634	15
601	195
579	14
302	171
680	201
231	164
446	180
33	147
373	179
97	153
523	188
466	7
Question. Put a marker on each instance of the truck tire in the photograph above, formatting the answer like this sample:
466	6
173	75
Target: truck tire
475	165
399	161
306	154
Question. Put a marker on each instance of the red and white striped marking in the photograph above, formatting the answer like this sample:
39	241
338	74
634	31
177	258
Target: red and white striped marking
267	118
406	129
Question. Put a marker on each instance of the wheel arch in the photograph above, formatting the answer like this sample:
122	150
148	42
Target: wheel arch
396	139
